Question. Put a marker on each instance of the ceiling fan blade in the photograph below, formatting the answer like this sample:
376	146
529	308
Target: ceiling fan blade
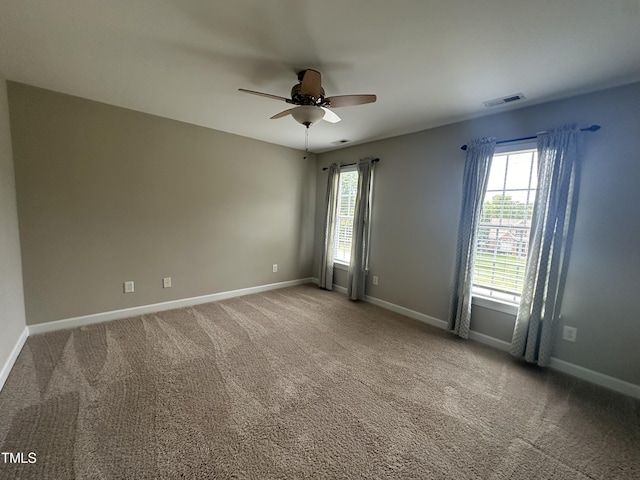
329	116
268	95
282	114
349	100
311	84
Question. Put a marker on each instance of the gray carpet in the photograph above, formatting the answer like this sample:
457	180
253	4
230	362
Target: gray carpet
301	383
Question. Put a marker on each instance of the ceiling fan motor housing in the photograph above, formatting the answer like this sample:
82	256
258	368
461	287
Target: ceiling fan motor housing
299	99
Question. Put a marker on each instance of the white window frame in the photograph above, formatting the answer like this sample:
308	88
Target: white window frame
340	263
486	297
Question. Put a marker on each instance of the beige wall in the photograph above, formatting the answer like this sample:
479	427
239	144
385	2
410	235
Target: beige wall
416	203
107	195
12	317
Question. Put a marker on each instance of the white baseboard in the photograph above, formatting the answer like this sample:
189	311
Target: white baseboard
156	307
595	377
490	341
556	364
340	289
429	320
13	356
572	369
436	322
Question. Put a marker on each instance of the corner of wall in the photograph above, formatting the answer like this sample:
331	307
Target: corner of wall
12	315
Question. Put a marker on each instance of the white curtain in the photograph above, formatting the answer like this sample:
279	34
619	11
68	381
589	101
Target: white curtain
358	264
326	267
476	176
550	244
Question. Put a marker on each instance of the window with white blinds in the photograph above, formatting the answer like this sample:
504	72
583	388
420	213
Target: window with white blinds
505	222
346	209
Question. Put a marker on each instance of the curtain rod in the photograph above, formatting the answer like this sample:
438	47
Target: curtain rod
375	160
592	128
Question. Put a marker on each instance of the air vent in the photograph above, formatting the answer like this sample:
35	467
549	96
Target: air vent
340	142
504	100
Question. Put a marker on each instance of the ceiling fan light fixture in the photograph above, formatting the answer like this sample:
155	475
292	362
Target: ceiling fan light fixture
312	105
307	115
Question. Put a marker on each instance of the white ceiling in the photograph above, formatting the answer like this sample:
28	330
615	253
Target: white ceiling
430	62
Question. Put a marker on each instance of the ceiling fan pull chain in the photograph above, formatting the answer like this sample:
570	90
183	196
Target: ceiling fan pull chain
306	142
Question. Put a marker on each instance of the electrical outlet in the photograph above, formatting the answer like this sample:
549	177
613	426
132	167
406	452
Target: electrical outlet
569	334
166	282
275	267
128	287
375	280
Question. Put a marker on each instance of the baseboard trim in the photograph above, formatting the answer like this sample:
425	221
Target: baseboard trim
429	320
574	370
340	289
13	356
436	322
490	341
592	376
598	378
156	307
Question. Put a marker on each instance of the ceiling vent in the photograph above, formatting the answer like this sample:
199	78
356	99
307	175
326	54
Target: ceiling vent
504	100
340	142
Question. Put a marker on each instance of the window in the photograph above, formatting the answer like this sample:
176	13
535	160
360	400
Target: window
346	208
503	231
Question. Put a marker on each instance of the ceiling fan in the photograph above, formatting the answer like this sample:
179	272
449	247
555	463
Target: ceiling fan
311	104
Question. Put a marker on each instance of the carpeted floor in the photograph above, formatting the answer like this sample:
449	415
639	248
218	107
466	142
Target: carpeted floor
301	383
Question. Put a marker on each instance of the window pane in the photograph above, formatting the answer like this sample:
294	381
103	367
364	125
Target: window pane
496	175
344	220
518	171
503	231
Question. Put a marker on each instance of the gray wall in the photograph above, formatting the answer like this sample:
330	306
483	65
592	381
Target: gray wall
416	203
107	195
12	317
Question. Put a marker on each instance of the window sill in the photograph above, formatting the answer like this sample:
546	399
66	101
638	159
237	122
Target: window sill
340	265
493	304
